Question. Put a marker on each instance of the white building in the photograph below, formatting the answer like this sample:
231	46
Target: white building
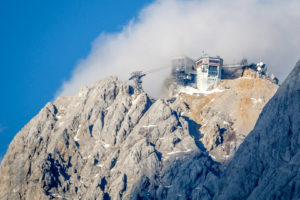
208	71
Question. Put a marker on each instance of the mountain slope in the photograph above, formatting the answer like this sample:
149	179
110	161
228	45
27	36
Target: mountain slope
267	166
98	145
228	112
113	141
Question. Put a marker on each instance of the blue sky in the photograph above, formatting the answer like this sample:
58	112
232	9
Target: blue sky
41	43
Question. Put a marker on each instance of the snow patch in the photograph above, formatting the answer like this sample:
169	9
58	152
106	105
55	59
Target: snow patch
175	152
100	165
225	123
245	77
150	126
190	90
256	100
57	196
76	136
103	143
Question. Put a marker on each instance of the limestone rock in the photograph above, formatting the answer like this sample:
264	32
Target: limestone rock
100	144
266	166
228	112
112	141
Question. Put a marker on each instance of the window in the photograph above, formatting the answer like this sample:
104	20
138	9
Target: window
213	70
214	61
204	68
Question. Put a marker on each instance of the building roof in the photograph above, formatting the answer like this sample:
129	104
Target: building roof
209	57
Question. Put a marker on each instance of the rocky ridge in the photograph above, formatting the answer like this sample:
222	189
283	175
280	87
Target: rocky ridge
112	141
228	112
266	166
100	144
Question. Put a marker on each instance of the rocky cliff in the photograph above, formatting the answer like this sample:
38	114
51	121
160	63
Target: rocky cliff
104	144
228	112
113	141
267	164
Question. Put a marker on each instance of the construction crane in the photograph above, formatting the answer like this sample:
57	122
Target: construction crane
138	75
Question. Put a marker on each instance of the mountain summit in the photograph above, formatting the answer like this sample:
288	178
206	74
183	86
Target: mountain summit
113	141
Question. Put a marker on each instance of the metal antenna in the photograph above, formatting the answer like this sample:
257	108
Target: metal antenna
137	78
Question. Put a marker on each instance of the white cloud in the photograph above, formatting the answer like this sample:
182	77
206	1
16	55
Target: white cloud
233	29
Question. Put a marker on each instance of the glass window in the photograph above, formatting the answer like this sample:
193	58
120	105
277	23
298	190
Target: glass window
214	61
204	68
213	70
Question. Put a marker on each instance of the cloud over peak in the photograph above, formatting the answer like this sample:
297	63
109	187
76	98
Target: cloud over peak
255	29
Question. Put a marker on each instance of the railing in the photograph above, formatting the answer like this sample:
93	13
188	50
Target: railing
233	65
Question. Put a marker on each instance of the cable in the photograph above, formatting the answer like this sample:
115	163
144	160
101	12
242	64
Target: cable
156	69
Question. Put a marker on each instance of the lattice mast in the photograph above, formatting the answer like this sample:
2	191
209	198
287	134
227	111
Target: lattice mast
137	78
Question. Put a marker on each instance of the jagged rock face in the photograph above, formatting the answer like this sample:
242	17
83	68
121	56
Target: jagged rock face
183	177
111	141
227	115
267	166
